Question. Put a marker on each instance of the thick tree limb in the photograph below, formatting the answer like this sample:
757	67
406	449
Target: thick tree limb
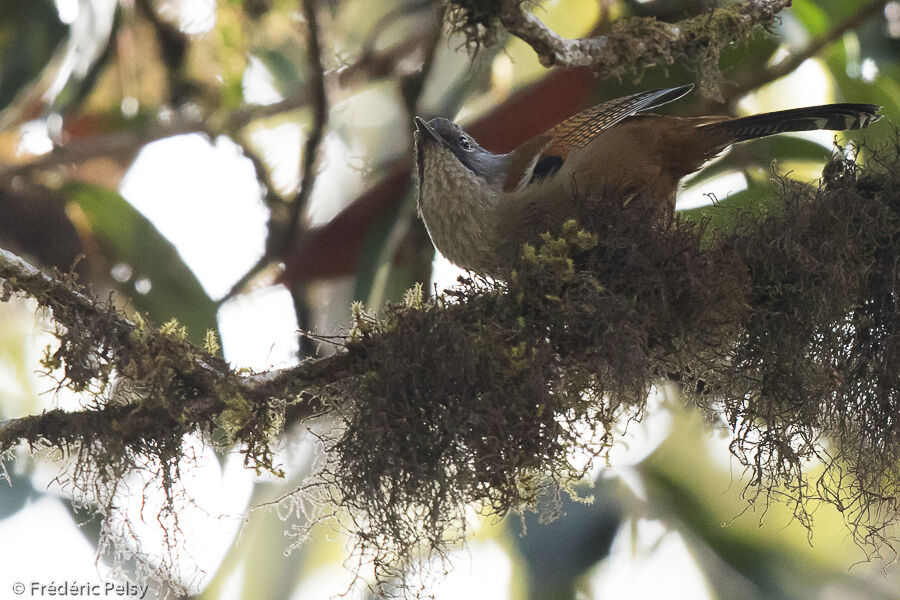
626	48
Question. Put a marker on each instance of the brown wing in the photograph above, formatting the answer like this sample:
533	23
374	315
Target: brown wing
575	132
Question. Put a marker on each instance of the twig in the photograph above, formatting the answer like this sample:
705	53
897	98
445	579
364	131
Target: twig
789	64
238	286
108	144
173	44
285	234
320	118
622	50
370	67
271	200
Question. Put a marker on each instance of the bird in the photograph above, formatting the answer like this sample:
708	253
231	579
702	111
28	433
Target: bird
479	207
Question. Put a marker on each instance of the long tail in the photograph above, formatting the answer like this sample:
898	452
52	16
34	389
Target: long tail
836	117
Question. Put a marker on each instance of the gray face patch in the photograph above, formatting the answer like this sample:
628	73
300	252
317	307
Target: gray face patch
487	165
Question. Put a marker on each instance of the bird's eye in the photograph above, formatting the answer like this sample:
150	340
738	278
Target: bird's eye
464	143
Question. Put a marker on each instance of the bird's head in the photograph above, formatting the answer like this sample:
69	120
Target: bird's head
450	161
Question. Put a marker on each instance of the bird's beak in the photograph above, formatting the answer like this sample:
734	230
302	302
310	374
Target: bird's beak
422	127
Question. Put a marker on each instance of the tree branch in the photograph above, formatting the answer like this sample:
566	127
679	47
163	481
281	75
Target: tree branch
638	42
319	100
54	293
74	309
371	66
790	64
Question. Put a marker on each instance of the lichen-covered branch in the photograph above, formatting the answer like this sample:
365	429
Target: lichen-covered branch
784	326
632	44
71	306
172	387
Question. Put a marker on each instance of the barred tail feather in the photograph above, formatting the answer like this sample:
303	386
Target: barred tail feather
836	117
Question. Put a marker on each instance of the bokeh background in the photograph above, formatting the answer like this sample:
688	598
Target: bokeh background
155	148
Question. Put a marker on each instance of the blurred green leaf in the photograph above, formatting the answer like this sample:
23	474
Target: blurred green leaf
884	90
820	15
284	71
125	236
775	572
811	16
761	153
838	10
766	554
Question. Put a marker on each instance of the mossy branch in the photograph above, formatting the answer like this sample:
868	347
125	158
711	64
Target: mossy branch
632	44
173	387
